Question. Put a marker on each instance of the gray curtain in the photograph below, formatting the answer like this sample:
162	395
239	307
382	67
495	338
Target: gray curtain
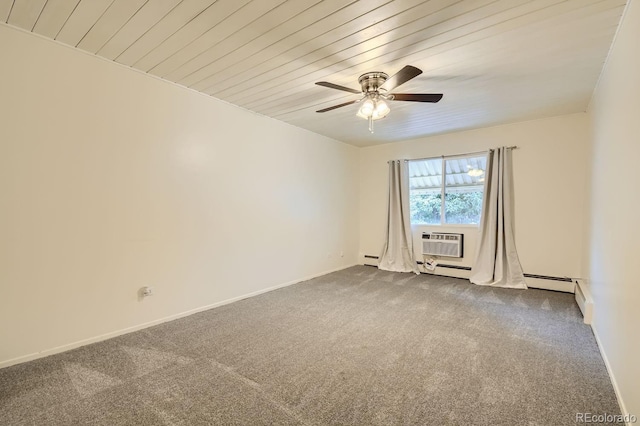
497	262
397	252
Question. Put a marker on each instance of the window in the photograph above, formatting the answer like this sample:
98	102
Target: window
456	199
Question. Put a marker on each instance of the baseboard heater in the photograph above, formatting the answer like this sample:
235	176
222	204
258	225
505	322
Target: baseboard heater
468	268
541	277
368	256
584	300
444	265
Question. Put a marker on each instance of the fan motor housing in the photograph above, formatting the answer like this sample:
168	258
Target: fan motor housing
371	81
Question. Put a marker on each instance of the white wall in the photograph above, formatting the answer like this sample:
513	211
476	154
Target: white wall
550	192
111	180
615	210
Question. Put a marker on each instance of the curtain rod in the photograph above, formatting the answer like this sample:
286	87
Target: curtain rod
456	155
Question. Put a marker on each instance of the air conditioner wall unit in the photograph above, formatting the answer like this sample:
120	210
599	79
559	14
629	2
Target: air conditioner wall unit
442	244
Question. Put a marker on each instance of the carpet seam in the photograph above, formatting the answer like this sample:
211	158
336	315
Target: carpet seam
256	386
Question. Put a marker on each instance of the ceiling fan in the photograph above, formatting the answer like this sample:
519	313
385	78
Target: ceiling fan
375	90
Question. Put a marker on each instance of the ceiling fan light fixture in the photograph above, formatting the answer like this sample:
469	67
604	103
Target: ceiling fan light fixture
367	108
361	115
373	108
382	109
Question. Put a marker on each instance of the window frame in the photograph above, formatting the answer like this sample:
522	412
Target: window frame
443	186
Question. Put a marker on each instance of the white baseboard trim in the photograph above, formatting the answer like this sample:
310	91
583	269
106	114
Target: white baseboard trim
616	389
84	342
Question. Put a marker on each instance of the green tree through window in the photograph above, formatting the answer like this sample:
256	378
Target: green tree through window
425	208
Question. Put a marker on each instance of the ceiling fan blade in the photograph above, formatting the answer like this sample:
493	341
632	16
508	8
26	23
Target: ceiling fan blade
417	97
337	106
401	77
337	86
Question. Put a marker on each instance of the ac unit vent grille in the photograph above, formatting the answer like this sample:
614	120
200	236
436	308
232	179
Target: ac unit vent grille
442	244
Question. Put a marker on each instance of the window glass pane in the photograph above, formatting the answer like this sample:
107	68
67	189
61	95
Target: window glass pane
425	191
464	186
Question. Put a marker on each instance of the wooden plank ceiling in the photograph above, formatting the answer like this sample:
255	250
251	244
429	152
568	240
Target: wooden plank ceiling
495	61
